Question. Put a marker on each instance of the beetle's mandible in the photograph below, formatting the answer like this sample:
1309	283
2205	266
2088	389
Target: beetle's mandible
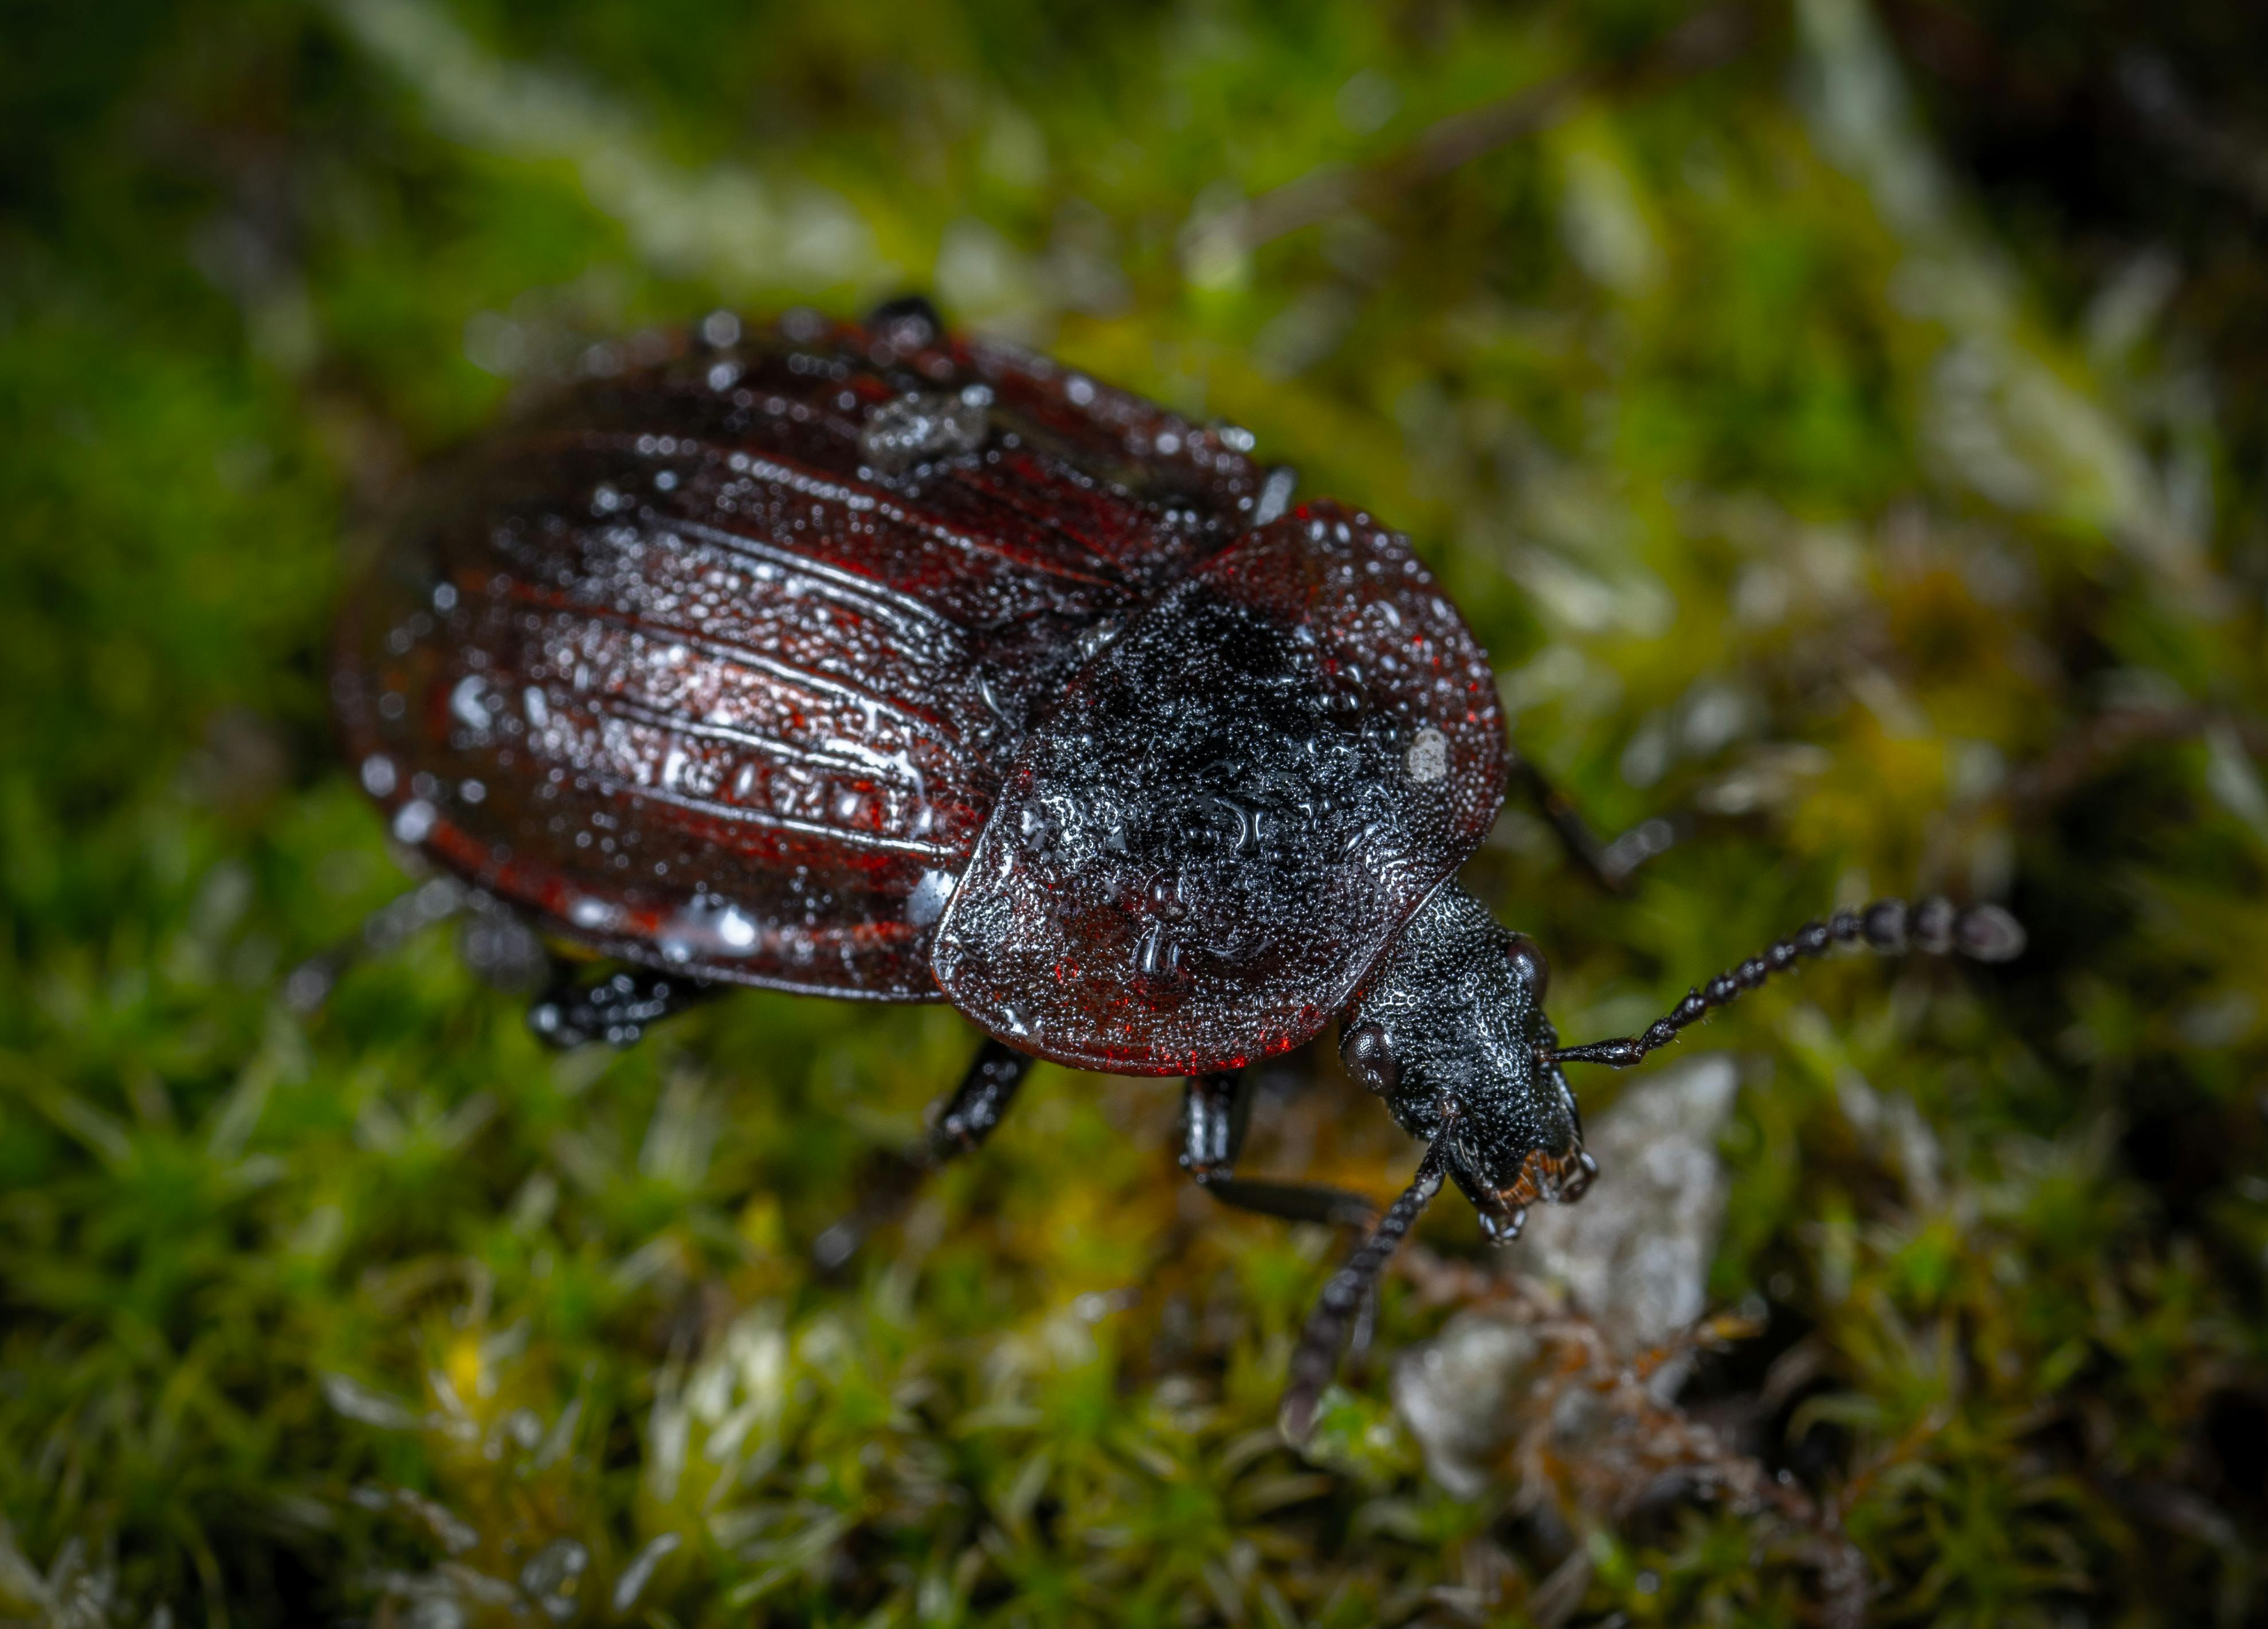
867	661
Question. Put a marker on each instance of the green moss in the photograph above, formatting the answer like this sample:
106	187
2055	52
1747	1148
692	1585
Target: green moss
1774	490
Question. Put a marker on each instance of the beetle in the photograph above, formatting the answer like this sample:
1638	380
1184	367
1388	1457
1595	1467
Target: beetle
869	661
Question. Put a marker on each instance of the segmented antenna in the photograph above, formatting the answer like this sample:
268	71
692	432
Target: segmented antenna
1316	1358
1984	932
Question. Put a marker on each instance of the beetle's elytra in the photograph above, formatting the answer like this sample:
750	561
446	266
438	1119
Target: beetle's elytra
871	662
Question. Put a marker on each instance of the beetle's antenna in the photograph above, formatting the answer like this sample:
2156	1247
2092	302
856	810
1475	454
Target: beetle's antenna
1985	933
1316	1358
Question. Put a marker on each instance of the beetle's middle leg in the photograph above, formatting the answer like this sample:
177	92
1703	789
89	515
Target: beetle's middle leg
616	1007
962	1123
1214	1110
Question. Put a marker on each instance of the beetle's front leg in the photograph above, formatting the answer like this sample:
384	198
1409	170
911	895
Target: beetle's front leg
1214	1110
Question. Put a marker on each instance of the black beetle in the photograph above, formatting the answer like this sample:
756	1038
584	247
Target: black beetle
870	662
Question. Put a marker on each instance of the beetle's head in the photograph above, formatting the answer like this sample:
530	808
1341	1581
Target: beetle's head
1450	1030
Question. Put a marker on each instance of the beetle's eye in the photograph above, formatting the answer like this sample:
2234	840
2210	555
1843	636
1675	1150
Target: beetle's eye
1528	966
1368	1058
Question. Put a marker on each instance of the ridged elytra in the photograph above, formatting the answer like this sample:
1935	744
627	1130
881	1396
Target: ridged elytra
869	661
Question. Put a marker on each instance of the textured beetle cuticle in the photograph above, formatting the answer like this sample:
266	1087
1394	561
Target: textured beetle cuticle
869	660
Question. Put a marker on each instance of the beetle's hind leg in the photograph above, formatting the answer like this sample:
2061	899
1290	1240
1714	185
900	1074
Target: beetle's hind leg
960	1125
1214	1110
500	949
615	1007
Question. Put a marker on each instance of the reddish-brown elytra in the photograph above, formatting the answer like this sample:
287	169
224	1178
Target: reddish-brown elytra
866	661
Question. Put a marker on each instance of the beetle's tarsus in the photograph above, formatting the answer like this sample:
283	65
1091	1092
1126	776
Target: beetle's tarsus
1934	926
1306	1202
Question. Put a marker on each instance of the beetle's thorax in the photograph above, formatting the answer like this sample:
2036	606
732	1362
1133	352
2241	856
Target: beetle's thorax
1447	1029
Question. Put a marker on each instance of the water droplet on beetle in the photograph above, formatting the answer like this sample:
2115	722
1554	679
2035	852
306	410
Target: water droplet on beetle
919	425
412	821
1160	977
1100	638
930	896
468	702
593	915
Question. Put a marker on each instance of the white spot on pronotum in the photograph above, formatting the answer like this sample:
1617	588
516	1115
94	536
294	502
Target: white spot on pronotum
1428	758
377	776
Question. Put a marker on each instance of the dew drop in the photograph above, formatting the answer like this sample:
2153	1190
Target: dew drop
927	902
412	821
920	424
1159	976
468	702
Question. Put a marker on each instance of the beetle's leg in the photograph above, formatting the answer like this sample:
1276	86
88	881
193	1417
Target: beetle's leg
1214	1110
500	949
615	1008
909	323
965	1119
1608	864
960	1125
434	900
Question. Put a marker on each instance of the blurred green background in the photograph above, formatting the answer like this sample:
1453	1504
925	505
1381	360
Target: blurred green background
1842	422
